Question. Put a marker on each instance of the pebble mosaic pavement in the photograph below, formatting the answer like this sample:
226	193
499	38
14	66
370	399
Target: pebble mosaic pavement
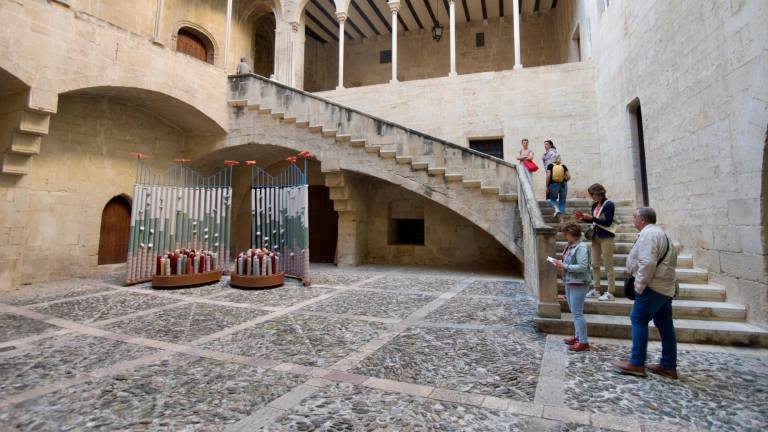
366	349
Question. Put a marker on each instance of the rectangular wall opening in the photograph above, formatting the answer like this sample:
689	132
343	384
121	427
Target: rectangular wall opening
407	232
490	146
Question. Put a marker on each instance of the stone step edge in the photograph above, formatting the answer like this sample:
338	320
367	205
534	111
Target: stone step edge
687	330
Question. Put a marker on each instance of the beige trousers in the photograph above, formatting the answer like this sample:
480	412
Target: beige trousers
602	250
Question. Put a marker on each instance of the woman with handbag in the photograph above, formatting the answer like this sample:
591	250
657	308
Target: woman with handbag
603	237
525	157
576	277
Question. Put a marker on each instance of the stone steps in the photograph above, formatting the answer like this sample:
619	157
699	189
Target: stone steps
687	309
687	330
384	153
684	275
620	260
688	291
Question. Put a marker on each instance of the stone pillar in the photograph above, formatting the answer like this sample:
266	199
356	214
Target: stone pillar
227	33
158	19
452	10
516	24
394	6
348	196
289	53
342	18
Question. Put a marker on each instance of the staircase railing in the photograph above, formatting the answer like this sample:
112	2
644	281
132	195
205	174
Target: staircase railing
538	243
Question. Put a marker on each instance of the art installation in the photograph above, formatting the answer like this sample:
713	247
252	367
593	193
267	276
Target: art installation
180	225
279	228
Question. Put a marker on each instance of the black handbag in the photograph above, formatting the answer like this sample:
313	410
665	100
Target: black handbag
629	283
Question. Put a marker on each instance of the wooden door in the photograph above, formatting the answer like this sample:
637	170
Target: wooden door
115	229
323	225
190	44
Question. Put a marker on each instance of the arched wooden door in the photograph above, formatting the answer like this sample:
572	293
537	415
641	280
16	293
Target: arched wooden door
191	44
115	229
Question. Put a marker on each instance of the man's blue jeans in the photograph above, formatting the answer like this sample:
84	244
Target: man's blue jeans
648	306
557	193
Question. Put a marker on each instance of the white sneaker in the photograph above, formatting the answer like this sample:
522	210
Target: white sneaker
593	293
606	297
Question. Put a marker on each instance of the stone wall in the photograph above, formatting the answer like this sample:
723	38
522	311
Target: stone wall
449	239
699	72
547	102
50	218
420	57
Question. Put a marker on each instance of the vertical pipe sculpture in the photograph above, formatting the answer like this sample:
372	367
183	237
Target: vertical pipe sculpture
280	219
179	209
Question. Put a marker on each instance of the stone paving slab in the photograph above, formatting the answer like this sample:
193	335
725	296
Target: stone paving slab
16	327
373	304
467	310
302	339
496	363
716	391
195	291
103	307
334	277
414	283
495	288
53	291
346	407
185	323
60	358
284	296
170	394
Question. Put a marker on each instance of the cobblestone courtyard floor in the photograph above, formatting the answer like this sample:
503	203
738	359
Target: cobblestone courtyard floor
368	349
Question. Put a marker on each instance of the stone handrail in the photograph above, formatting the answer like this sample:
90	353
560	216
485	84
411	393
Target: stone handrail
538	244
377	131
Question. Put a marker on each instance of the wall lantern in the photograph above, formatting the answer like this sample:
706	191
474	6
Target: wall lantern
437	32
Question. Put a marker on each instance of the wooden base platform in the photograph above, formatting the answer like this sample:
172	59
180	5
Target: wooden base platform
244	281
176	281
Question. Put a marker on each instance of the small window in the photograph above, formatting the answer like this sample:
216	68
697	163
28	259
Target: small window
479	40
493	147
408	231
385	56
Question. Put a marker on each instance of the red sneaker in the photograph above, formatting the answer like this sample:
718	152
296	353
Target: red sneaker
570	340
578	346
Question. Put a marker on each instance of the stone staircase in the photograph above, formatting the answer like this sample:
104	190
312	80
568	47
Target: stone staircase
701	311
481	188
22	127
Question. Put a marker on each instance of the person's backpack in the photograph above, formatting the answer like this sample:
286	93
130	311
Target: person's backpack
558	173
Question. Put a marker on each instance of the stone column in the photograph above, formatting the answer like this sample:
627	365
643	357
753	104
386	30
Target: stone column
394	6
227	33
452	10
516	24
158	19
342	16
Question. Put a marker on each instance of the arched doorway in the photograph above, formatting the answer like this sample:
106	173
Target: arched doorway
115	229
264	45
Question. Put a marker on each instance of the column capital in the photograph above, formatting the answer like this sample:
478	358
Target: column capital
452	1
341	16
394	6
295	25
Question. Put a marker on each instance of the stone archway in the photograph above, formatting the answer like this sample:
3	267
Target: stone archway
114	232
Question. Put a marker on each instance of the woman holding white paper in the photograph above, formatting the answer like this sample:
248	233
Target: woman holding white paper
575	268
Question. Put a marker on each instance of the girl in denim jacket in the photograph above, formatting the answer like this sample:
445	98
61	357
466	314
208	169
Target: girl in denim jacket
577	277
